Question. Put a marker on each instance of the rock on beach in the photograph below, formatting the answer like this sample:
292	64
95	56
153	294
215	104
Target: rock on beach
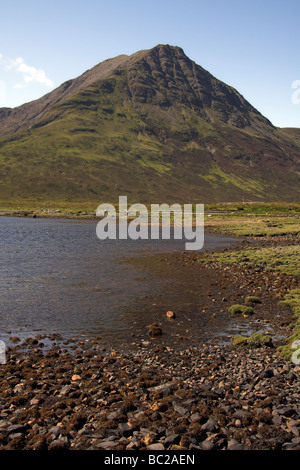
205	397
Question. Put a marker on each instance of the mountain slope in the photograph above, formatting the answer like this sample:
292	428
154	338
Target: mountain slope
154	126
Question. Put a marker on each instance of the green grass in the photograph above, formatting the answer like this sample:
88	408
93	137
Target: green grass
93	148
216	176
273	208
99	144
241	309
256	339
285	259
253	225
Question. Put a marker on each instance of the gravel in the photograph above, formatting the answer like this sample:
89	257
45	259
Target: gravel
208	398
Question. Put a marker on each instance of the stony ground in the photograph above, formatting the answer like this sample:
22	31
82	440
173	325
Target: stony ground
200	398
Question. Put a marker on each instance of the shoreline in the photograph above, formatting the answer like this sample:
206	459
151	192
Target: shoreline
88	395
202	397
206	398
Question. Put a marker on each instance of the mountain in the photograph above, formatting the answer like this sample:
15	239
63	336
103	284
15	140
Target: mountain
154	126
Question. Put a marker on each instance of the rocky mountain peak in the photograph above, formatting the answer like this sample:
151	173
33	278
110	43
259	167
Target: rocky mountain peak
154	125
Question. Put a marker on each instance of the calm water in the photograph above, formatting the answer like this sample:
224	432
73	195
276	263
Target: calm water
57	276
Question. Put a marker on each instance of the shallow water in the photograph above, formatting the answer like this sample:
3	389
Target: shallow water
58	277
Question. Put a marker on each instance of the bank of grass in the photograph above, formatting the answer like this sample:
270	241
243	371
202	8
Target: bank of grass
240	219
256	227
272	221
254	219
255	207
49	210
285	259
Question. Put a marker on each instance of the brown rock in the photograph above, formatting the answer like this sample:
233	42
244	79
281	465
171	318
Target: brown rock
154	329
76	377
171	314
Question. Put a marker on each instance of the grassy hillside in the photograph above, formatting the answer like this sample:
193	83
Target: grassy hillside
153	135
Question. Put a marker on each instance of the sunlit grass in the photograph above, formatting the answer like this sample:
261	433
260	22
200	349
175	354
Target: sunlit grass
285	259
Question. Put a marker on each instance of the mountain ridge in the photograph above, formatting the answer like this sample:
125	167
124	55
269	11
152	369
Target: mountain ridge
151	125
100	71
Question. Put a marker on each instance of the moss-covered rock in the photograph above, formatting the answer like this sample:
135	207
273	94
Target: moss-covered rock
238	309
256	339
239	340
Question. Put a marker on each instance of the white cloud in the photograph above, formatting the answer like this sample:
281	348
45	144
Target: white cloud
29	73
12	63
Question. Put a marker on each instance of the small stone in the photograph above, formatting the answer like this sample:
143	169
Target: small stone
18	388
171	314
58	444
106	445
133	444
295	431
113	415
149	437
125	430
65	390
234	445
277	419
15	428
55	430
207	445
240	414
155	446
182	411
172	439
35	401
76	377
163	389
4	424
293	423
16	435
195	417
290	446
154	330
210	426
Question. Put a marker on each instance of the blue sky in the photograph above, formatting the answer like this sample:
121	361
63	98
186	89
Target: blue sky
252	46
